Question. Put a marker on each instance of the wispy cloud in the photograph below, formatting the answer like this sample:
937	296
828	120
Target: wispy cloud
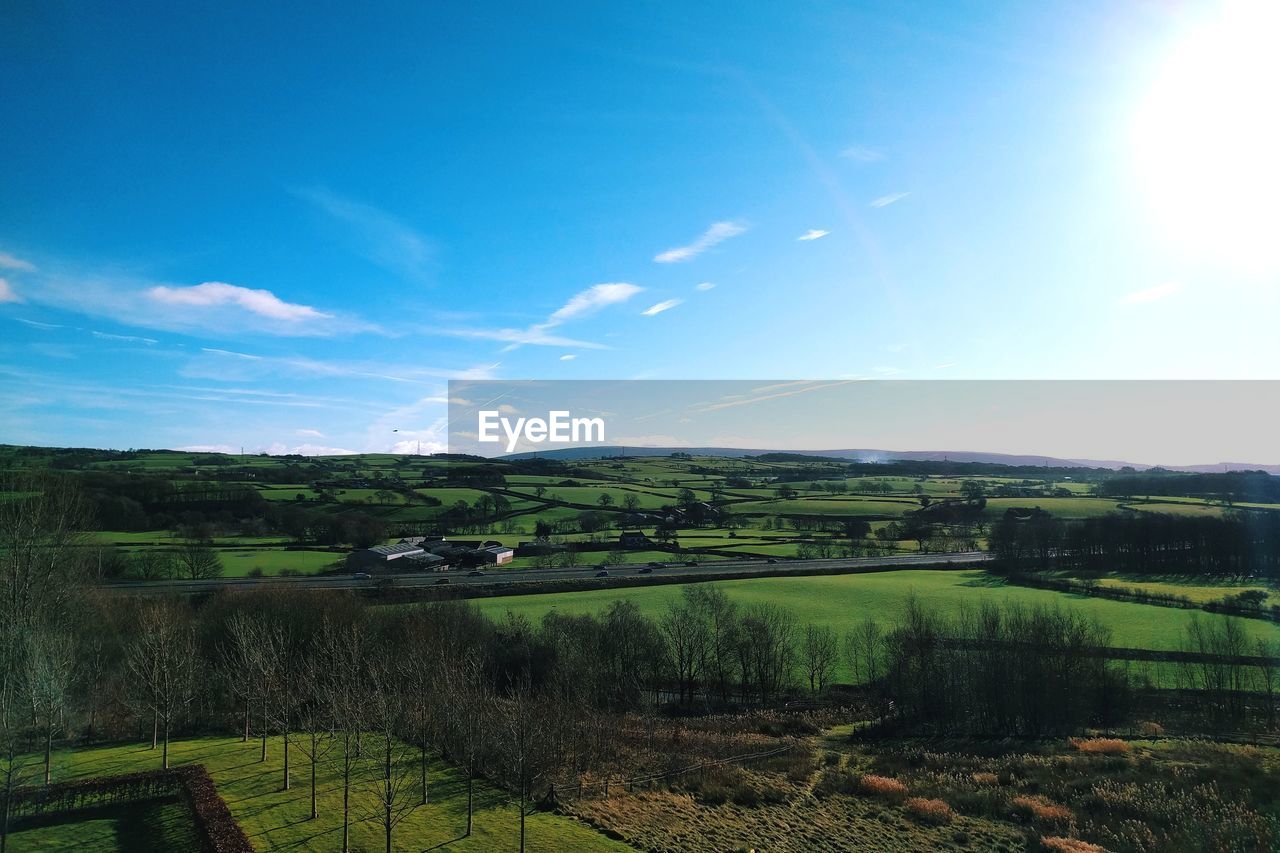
128	339
886	200
582	304
717	233
1151	294
230	365
7	293
36	324
813	234
704	286
308	433
862	154
216	293
9	262
658	308
377	235
568	357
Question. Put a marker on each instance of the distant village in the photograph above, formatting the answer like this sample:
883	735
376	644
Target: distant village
421	553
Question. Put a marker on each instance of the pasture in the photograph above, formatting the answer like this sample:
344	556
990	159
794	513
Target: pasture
842	601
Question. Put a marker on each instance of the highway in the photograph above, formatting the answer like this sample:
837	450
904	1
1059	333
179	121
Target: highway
511	577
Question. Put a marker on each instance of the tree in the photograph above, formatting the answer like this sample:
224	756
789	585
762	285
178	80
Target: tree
50	673
161	661
605	499
818	652
865	644
343	655
383	714
631	501
530	742
197	561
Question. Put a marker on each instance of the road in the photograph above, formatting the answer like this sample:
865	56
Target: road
510	577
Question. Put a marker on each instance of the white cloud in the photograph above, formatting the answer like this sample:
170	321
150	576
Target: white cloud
582	304
568	357
264	303
704	286
717	233
279	449
886	200
379	236
862	154
813	234
308	433
228	365
35	324
664	305
7	293
208	448
128	339
9	262
1151	294
590	301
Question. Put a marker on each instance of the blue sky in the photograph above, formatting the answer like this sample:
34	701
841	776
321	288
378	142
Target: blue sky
286	229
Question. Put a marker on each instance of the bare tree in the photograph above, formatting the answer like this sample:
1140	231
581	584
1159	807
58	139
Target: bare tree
315	717
530	742
819	652
50	673
393	778
197	561
342	649
866	645
687	637
41	558
161	662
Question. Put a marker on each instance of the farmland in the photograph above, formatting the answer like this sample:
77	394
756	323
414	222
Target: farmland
840	602
306	512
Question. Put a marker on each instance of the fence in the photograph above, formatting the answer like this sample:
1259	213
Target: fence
579	790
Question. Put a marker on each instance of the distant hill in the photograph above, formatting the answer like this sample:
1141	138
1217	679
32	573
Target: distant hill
869	455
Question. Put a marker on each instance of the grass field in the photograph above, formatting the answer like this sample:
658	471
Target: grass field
151	827
1199	590
840	601
278	820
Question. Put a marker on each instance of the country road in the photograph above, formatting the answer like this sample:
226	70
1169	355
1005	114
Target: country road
504	577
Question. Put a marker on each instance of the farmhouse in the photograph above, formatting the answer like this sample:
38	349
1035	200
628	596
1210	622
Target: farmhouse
497	554
382	557
634	539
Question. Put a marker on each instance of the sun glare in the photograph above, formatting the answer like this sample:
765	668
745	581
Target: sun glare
1207	138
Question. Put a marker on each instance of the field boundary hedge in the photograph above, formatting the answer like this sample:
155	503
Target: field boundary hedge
1139	596
218	830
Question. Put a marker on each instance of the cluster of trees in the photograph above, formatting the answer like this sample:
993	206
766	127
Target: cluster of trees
1231	487
1246	544
1001	670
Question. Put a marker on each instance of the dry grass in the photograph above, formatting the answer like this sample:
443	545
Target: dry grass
1100	745
986	779
935	812
1058	844
882	786
1042	809
1150	729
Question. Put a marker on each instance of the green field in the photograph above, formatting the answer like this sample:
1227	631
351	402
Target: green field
840	601
1199	590
150	827
278	820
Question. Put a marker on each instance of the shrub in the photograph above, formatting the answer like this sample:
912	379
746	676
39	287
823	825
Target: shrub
255	572
882	786
834	781
1058	844
1150	729
1042	810
986	779
1100	745
935	812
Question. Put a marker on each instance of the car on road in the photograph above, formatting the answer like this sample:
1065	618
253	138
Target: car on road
442	581
771	560
475	574
646	571
602	574
691	562
362	576
657	565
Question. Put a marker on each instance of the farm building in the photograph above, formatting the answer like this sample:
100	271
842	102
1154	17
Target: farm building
497	554
634	539
382	557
